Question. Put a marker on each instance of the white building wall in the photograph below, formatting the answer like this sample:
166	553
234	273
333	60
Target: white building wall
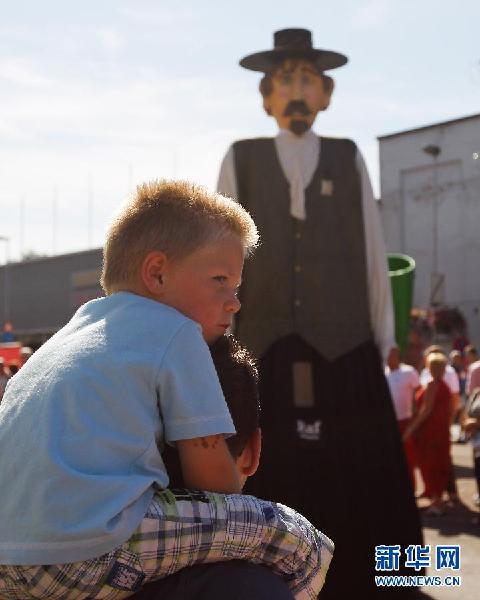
435	202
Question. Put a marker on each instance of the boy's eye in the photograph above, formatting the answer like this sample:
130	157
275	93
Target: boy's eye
220	278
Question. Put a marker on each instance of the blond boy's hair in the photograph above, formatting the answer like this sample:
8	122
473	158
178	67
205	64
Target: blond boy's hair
436	364
174	217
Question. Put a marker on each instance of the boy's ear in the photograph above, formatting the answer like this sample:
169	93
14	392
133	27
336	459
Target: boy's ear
153	270
249	459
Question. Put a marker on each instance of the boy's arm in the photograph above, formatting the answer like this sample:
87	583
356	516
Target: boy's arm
194	413
470	425
208	465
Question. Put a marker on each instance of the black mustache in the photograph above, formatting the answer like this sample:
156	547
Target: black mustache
296	106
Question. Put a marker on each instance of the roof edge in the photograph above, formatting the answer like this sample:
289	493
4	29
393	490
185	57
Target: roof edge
52	257
430	126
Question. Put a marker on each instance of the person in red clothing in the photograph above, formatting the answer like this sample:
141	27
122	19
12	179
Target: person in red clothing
431	429
4	377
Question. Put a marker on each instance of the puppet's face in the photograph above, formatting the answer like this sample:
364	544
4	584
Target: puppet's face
298	94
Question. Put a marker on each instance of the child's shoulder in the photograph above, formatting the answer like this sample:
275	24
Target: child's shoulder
141	315
122	303
125	320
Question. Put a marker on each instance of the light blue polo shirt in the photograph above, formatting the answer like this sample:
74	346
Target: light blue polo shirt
82	422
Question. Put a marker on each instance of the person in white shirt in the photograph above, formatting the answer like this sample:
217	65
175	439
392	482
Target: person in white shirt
473	377
403	381
472	364
472	426
317	310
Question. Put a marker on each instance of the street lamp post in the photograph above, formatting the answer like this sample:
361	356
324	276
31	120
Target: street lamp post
6	308
434	151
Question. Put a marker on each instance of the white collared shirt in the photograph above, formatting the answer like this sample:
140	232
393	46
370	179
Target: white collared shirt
298	157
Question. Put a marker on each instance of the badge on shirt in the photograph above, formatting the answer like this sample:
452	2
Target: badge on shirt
326	187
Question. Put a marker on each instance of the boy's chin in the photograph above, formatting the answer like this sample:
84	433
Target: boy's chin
212	337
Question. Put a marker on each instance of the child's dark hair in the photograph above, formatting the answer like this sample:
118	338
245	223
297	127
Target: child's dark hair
238	377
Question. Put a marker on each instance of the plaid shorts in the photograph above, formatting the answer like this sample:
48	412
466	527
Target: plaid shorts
182	528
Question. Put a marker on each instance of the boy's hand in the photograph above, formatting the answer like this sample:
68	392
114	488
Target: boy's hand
208	465
470	425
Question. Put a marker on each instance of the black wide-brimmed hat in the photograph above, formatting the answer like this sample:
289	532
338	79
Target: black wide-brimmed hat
293	43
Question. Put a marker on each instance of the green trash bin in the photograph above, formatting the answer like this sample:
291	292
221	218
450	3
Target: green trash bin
401	269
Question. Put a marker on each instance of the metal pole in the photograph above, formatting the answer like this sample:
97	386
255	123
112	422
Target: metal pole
435	216
434	151
6	308
130	178
174	163
22	225
54	218
90	211
7	275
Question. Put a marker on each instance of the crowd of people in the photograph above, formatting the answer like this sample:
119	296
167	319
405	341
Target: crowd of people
427	404
8	369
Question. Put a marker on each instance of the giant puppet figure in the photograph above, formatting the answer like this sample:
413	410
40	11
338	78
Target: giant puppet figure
317	310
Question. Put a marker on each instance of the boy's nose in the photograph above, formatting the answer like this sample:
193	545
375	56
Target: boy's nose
233	305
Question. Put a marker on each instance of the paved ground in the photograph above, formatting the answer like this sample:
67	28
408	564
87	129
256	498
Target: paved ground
457	527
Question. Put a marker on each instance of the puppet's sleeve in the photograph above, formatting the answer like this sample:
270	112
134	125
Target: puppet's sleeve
227	179
379	289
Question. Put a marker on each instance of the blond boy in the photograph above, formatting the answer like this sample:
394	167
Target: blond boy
83	424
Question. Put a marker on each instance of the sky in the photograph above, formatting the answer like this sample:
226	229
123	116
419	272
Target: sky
100	95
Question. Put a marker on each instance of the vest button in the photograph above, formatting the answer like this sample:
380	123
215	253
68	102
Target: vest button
298	235
297	303
297	268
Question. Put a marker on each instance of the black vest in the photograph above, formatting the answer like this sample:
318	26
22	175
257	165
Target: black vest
307	277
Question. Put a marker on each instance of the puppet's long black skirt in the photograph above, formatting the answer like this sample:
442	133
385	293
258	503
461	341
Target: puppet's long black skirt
339	462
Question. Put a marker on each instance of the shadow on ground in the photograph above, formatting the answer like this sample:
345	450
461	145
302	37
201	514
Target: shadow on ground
458	518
